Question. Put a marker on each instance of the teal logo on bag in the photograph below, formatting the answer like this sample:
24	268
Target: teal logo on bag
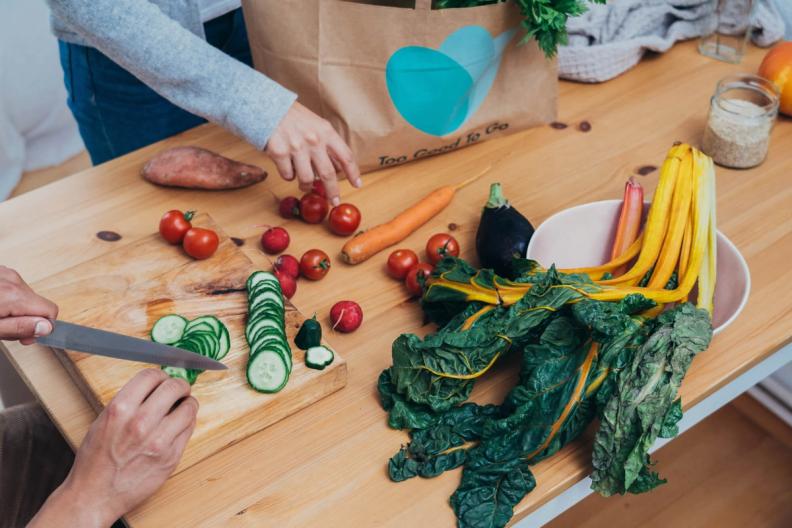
438	90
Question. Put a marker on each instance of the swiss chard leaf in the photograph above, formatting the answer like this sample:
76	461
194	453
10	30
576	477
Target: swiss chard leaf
643	402
489	490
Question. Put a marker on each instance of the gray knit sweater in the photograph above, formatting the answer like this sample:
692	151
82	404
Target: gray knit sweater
162	43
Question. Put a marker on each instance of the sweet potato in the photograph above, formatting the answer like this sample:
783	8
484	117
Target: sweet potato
198	168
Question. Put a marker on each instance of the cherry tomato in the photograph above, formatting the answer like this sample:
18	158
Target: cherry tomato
440	246
412	282
289	207
174	225
400	262
314	264
288	265
313	208
200	243
319	188
288	283
274	240
344	219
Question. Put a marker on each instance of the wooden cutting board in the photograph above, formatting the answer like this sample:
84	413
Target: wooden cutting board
127	290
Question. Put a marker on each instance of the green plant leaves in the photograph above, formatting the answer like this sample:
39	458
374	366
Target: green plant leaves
580	359
644	404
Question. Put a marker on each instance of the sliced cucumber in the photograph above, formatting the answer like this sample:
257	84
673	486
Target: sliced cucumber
265	297
225	343
318	357
188	375
169	329
260	324
258	277
267	372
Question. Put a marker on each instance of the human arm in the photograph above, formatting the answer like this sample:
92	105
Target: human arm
189	72
130	450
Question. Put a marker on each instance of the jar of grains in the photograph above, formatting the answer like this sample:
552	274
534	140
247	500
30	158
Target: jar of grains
741	116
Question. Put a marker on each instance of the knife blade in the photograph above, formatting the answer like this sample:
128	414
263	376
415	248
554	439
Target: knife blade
71	336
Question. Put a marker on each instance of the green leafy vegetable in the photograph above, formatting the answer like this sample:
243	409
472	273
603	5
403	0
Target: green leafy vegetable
581	359
645	404
544	20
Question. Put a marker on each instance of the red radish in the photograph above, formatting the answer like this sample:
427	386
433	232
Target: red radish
319	188
274	240
287	283
313	208
289	265
289	207
346	316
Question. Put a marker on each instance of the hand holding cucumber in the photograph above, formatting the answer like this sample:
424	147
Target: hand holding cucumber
131	449
23	314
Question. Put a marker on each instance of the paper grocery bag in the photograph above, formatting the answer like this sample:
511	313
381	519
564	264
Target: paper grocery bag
403	83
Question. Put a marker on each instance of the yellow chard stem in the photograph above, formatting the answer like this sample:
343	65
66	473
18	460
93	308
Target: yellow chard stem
709	265
680	208
657	219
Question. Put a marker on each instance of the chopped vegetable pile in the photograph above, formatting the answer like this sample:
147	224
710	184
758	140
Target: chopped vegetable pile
593	346
205	335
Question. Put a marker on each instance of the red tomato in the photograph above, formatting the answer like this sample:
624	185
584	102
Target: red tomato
289	207
288	283
344	219
314	264
275	240
313	208
400	262
412	282
200	243
174	225
288	265
440	246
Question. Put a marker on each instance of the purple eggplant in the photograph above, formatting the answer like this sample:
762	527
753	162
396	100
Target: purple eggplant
503	234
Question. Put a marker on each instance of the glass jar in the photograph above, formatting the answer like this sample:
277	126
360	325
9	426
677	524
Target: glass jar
727	29
741	116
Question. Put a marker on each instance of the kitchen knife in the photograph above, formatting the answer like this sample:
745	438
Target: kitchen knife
70	336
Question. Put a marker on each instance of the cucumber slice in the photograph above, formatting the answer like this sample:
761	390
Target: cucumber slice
260	324
267	372
188	375
207	320
318	357
265	296
200	327
169	329
260	276
225	343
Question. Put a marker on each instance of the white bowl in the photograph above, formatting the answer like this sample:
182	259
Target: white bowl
582	236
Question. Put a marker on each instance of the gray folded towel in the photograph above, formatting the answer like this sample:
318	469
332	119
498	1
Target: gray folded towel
610	39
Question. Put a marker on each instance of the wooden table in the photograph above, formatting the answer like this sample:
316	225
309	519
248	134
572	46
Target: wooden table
326	466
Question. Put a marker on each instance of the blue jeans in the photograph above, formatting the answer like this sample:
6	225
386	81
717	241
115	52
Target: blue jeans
117	113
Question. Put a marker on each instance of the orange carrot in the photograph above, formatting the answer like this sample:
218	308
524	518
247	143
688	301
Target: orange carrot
371	242
629	221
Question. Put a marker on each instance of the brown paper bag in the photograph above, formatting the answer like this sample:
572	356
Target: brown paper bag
400	83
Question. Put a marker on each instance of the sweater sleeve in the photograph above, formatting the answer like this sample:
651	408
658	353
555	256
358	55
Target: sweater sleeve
179	65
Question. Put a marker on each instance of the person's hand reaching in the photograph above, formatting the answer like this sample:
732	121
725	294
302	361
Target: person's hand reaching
24	316
130	450
305	146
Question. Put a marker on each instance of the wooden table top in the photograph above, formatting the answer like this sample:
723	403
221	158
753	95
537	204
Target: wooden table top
326	465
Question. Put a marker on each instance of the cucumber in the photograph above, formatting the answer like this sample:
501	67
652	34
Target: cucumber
267	372
225	343
169	329
318	357
205	335
260	324
209	322
266	296
188	375
259	277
